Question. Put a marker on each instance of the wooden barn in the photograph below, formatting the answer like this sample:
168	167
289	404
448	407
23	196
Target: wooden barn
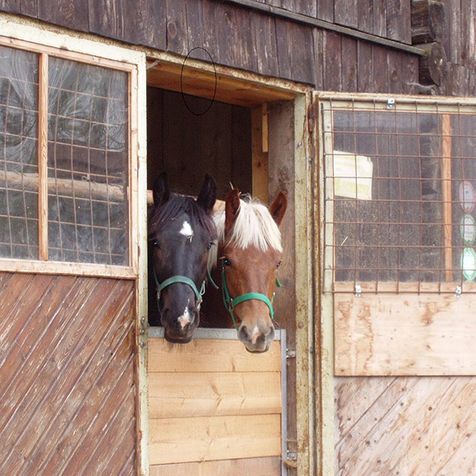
361	112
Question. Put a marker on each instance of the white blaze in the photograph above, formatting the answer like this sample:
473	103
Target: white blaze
254	334
186	230
185	318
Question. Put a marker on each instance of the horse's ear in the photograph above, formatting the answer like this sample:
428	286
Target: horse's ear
208	194
232	206
278	207
161	190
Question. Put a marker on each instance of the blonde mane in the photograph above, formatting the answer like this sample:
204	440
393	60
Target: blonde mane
254	226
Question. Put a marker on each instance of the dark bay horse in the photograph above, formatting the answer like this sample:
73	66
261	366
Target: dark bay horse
181	233
246	260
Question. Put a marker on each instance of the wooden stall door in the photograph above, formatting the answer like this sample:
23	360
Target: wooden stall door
68	391
398	298
214	408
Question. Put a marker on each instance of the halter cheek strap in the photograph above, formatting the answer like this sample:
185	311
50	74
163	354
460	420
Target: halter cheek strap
230	303
180	279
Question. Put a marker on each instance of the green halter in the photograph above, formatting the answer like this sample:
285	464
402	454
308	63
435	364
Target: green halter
230	302
180	279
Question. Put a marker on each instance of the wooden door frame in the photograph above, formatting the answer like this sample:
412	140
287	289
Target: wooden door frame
254	91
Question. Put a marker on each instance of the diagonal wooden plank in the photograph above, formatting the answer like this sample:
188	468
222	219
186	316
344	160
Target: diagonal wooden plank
64	404
357	396
72	347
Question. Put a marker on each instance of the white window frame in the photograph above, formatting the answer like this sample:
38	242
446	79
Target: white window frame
42	41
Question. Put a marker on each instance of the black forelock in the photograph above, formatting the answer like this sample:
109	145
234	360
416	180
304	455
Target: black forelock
174	207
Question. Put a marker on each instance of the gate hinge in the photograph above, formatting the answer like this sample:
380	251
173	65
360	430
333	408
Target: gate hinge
290	354
291	459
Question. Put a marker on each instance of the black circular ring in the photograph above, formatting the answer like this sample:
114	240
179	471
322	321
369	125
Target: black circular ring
212	101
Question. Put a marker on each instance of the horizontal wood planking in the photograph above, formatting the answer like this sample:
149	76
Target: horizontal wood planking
210	355
405	425
68	368
175	440
404	335
215	393
270	466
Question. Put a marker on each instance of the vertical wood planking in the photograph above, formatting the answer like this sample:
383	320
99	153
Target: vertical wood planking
446	147
263	37
29	8
345	13
43	157
349	64
364	66
177	27
72	14
325	10
332	68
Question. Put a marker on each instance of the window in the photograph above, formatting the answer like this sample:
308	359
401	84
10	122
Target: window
400	195
64	157
18	154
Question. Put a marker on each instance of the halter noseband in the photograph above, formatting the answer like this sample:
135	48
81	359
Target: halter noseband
230	302
178	278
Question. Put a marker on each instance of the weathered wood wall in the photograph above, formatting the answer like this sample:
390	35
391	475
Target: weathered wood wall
405	426
67	375
447	29
385	18
211	402
250	40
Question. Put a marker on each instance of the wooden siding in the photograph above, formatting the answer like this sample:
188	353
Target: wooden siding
210	402
389	334
386	18
405	426
67	378
242	38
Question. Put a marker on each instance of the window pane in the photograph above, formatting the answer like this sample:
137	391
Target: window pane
18	154
404	202
87	163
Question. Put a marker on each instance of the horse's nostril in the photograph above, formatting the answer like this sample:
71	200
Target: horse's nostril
242	333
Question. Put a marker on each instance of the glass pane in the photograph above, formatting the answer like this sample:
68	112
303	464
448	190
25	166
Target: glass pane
18	154
87	163
387	182
404	201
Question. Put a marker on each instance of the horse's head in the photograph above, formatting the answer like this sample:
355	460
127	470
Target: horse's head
181	233
250	250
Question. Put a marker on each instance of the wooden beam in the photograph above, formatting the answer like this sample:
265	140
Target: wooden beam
214	394
406	334
259	156
231	467
211	355
180	440
42	157
446	140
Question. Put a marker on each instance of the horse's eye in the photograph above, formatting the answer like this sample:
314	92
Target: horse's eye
155	243
209	246
278	265
226	262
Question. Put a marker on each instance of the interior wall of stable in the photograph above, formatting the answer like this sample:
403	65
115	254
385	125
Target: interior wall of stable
188	137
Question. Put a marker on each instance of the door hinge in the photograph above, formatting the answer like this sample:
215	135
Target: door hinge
290	354
290	459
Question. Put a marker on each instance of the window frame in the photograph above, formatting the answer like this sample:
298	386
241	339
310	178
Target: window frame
327	103
45	44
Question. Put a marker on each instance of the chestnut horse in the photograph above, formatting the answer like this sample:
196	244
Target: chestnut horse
181	233
246	259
